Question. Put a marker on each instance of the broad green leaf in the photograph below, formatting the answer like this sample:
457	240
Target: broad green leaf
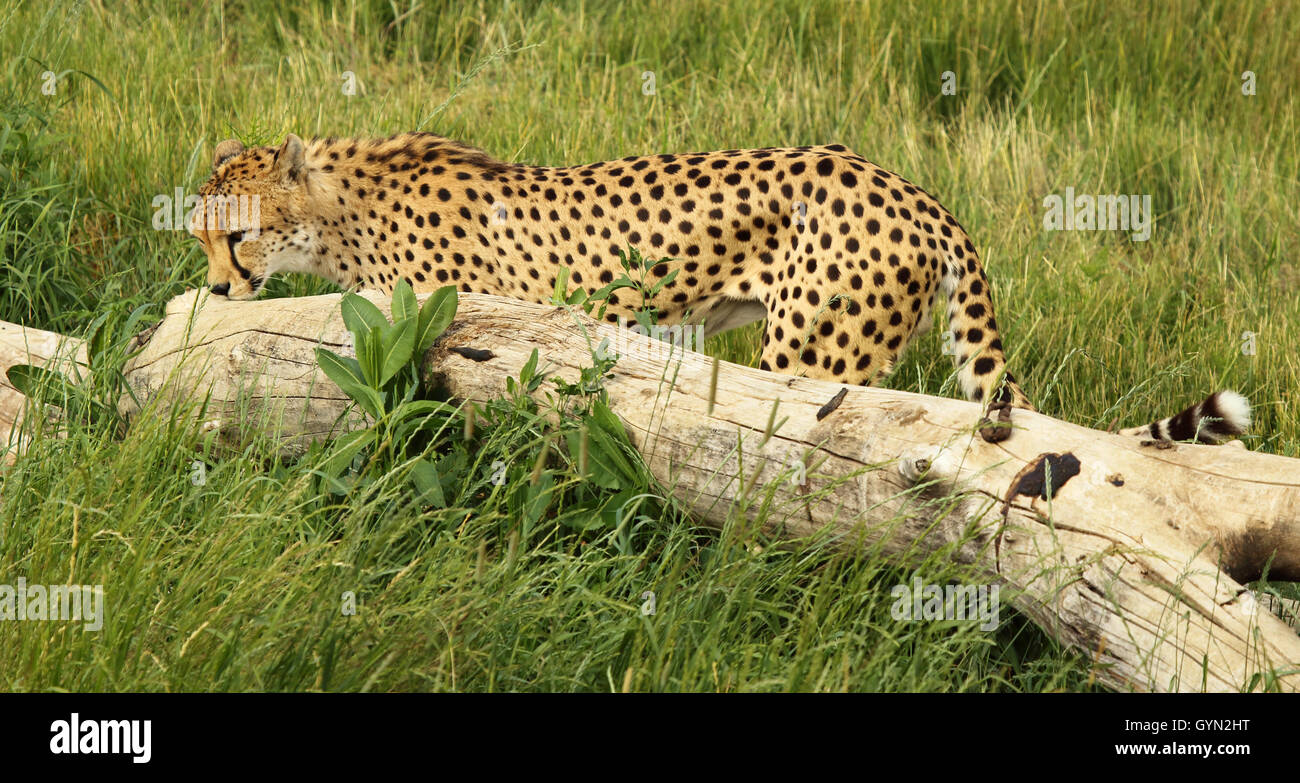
598	470
137	315
360	315
336	486
529	369
664	281
538	498
419	408
616	510
346	372
607	443
425	478
51	388
606	419
404	302
584	515
39	383
436	315
370	354
97	337
398	344
602	294
345	450
561	286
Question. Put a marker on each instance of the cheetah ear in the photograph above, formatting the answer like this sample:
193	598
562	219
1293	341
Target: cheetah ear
290	158
226	150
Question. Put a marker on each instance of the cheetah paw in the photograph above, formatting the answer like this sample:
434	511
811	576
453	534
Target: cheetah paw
996	431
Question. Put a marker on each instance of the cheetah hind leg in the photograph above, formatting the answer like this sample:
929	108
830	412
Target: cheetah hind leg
995	426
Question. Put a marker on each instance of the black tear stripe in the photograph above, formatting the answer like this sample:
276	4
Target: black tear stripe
230	244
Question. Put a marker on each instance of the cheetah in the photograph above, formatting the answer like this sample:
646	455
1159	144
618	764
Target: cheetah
842	258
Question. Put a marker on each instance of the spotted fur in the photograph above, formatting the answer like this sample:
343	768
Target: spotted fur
842	258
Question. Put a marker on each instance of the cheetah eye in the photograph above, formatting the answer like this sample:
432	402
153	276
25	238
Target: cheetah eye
235	236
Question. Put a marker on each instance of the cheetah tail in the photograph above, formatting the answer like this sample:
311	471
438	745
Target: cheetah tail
1221	416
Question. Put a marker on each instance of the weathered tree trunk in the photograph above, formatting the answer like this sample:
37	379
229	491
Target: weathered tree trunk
1134	554
19	345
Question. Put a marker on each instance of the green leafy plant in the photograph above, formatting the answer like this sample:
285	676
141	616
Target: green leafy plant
595	480
633	264
384	381
577	469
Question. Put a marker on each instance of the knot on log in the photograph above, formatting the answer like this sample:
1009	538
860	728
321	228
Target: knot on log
928	465
913	469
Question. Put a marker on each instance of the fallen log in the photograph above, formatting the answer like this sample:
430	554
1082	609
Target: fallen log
1132	553
21	345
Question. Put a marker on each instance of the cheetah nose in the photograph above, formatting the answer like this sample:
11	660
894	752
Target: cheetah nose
221	289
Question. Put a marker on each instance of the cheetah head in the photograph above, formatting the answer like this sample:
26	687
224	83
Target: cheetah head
252	216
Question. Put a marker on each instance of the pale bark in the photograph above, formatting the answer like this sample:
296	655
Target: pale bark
1137	560
20	345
